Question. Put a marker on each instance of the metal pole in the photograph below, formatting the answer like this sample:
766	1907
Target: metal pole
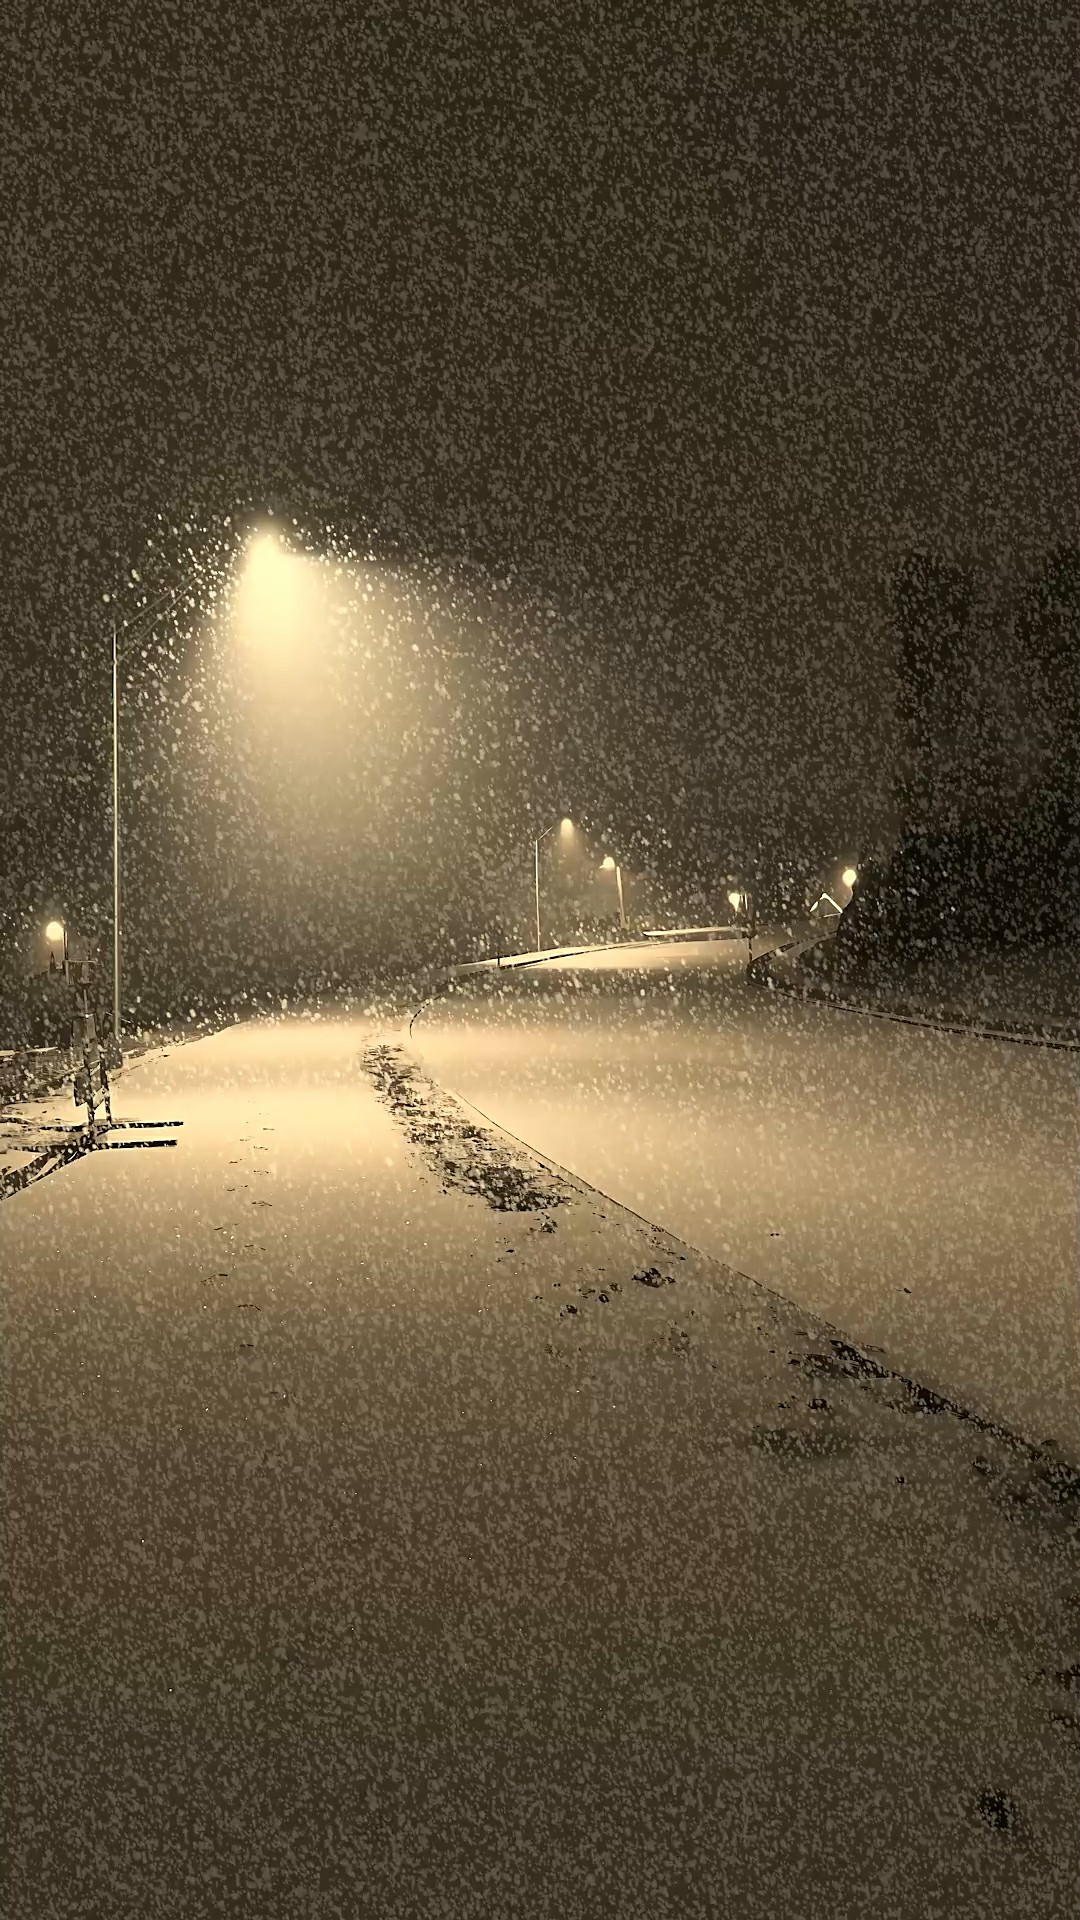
167	599
536	859
622	909
116	839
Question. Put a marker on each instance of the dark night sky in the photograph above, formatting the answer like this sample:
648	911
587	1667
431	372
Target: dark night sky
692	317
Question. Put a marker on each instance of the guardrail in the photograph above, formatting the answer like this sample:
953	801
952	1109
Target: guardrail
728	932
524	959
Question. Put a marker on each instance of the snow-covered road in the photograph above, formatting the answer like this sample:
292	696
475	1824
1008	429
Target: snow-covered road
391	1530
917	1189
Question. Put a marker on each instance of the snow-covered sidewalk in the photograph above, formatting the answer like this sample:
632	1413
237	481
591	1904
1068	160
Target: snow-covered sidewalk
429	1528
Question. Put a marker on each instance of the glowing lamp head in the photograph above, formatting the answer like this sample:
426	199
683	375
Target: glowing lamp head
54	931
264	556
734	899
566	826
607	863
272	605
849	876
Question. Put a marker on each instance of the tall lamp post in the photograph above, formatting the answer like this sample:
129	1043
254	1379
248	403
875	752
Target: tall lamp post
565	826
158	606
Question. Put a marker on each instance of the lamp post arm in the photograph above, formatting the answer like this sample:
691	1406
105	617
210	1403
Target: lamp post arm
158	606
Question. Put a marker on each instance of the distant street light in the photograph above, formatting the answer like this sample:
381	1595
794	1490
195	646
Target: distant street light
849	876
740	899
609	865
56	934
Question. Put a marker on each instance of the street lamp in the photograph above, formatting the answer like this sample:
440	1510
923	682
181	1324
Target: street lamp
566	828
849	876
55	934
610	865
742	898
161	605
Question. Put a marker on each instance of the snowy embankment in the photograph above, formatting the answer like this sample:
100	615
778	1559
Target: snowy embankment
1030	994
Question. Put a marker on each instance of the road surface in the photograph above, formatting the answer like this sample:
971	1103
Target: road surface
393	1531
917	1189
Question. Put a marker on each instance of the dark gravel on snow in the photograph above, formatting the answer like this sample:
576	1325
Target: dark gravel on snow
462	1155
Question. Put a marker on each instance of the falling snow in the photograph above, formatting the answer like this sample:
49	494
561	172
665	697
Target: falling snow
539	987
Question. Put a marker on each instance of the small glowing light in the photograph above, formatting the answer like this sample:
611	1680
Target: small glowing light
734	899
566	826
607	863
54	930
849	876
